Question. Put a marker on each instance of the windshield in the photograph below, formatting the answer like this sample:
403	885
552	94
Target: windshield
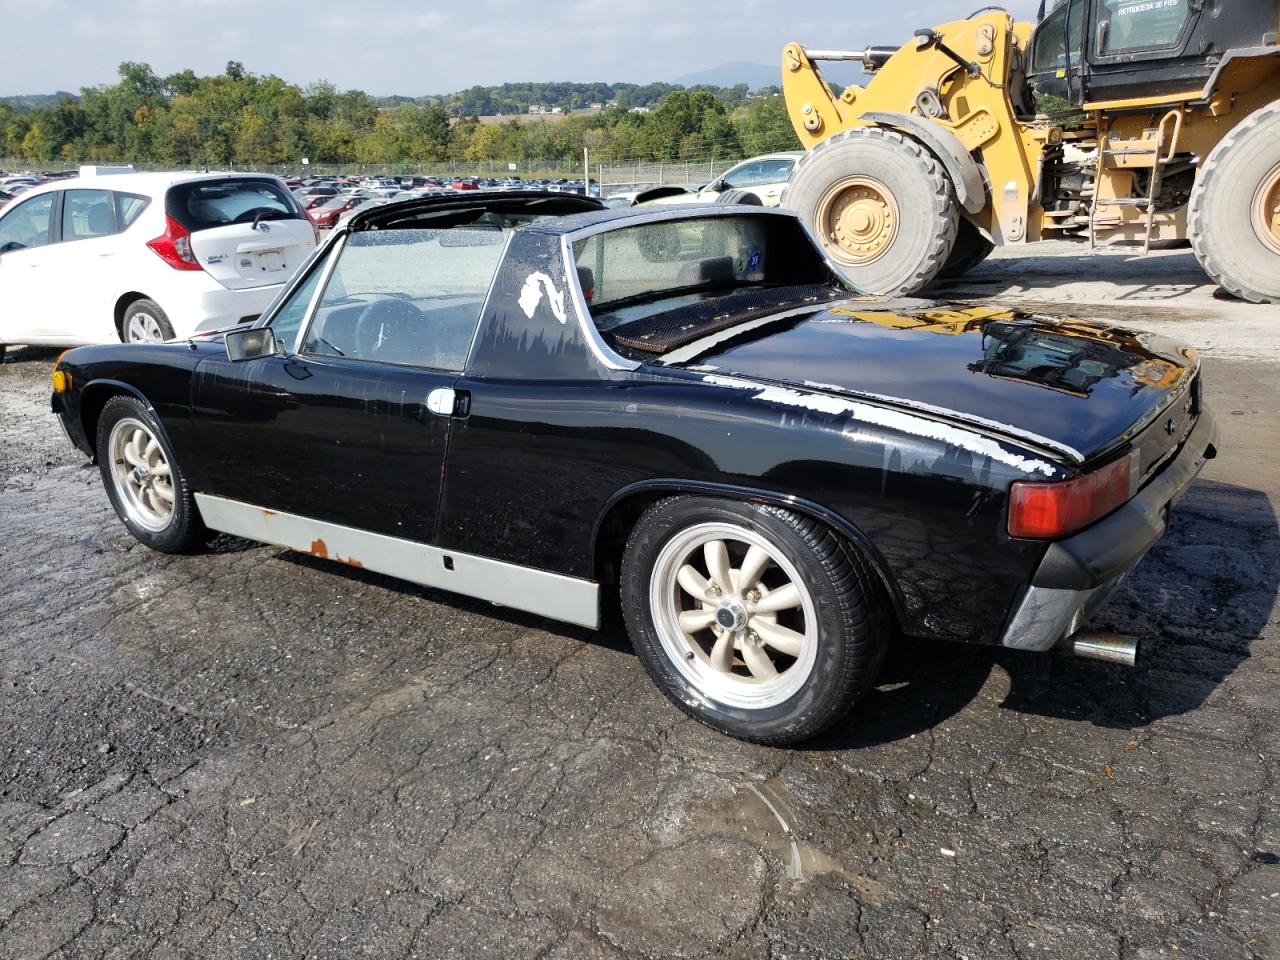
410	296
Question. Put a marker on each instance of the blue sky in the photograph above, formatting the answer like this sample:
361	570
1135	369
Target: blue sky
389	46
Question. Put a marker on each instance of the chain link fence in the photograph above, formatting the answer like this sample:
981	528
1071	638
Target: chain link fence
612	177
625	177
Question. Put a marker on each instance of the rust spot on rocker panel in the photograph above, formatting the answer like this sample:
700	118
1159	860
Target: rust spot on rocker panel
318	549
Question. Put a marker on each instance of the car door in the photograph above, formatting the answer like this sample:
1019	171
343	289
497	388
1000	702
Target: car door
349	423
26	232
774	175
84	257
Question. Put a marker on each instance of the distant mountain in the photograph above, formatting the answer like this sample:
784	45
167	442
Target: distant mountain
36	101
754	75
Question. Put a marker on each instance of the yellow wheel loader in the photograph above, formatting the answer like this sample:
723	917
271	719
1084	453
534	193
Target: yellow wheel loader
1171	131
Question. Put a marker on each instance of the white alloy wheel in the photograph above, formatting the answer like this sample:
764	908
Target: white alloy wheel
143	327
734	615
142	476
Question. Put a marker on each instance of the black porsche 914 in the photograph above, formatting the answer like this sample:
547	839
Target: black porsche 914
532	400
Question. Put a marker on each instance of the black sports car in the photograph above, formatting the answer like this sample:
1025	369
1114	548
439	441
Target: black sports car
526	398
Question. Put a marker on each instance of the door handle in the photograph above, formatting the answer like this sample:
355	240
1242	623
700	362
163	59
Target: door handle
447	402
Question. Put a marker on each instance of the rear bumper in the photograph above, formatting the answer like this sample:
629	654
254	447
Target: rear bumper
1078	574
219	307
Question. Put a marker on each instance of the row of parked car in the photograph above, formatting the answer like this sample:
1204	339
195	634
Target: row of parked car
163	255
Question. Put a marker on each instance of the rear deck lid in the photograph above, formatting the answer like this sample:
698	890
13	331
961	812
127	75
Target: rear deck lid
1084	387
245	232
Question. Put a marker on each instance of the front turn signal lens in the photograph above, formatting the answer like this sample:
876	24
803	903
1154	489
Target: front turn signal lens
1046	511
61	381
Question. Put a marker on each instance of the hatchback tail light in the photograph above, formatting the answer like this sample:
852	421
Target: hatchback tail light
1049	510
174	246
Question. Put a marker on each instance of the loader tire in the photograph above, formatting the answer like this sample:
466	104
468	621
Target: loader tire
970	250
1234	220
880	205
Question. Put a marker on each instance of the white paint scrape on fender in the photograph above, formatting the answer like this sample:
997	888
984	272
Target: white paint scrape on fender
890	419
531	295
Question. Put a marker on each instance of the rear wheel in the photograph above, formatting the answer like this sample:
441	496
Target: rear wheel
754	620
146	486
1235	209
970	250
881	207
145	322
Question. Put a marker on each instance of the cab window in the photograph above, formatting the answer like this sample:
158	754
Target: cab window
27	224
1135	25
1051	40
86	214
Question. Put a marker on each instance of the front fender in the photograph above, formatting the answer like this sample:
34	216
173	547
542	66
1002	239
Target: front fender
962	169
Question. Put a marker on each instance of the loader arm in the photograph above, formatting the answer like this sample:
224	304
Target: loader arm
927	80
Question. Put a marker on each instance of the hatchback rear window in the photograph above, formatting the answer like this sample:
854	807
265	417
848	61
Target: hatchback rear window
206	204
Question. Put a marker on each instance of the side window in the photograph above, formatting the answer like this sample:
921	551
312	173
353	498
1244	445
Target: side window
87	213
776	171
407	296
26	224
1134	25
744	176
287	322
129	207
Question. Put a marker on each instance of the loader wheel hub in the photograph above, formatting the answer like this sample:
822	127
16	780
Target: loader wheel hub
858	217
1266	212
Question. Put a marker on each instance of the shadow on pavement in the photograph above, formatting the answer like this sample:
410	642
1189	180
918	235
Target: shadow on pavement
1197	602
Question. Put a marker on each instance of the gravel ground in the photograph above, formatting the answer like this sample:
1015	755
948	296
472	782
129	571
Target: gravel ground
253	754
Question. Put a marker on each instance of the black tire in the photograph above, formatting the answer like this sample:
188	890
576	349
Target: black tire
139	313
745	197
1223	218
927	214
970	250
4	348
848	634
184	531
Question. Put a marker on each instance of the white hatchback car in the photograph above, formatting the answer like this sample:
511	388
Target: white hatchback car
143	257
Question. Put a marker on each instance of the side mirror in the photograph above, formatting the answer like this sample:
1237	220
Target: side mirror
718	185
250	344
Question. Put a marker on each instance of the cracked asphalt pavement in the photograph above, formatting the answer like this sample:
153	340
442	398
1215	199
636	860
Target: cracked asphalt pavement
255	754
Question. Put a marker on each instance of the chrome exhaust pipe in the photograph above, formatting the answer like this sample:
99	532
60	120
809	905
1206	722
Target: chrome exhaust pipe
1108	647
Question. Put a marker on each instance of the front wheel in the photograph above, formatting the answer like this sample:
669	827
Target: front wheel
146	486
754	620
880	205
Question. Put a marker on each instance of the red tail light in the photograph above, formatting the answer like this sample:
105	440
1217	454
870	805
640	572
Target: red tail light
174	246
1050	510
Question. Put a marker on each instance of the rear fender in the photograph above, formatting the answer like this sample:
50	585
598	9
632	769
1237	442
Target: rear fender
648	491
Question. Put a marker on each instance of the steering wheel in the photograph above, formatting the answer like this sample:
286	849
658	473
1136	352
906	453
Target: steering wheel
11	246
378	322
